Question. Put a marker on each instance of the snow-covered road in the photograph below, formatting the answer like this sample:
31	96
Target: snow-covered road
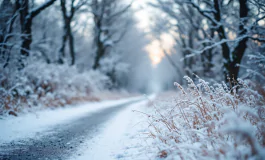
95	131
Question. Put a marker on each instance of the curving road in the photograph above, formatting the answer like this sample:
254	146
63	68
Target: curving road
62	140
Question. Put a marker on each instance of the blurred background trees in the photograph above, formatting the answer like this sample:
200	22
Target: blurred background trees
213	33
81	33
54	52
46	42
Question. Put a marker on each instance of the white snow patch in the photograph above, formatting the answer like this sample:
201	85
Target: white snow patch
124	137
32	124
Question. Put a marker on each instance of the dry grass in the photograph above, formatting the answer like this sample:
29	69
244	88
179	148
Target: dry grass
215	122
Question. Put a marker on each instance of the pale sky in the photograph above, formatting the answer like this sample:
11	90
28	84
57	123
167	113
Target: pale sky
142	13
155	48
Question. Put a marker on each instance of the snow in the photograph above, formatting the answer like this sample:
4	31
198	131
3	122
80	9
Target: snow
181	131
30	125
124	137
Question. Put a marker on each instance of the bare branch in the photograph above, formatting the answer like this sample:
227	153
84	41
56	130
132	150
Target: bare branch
36	11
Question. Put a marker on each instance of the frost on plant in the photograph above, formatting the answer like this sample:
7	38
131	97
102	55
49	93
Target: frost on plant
211	121
48	85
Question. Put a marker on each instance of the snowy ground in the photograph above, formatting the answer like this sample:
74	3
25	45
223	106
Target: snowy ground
30	125
122	136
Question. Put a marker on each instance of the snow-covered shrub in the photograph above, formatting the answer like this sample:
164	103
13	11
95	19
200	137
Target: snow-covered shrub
254	68
66	78
50	85
211	122
11	93
115	69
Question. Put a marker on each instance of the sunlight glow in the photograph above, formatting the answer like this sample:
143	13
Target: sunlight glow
156	48
155	52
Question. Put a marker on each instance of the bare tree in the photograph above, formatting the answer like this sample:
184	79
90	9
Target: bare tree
8	15
108	30
68	16
189	30
232	25
214	13
26	17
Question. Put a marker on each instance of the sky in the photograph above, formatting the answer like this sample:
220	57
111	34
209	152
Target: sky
155	47
160	75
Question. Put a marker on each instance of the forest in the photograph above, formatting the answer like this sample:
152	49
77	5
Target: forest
204	60
57	51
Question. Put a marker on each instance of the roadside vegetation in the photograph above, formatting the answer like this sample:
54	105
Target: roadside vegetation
206	121
219	109
56	53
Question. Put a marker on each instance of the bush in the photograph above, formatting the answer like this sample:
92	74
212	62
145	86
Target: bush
211	122
47	84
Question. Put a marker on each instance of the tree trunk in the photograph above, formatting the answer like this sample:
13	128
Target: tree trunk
62	49
26	18
25	23
232	58
222	35
100	50
71	45
241	47
99	54
67	35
